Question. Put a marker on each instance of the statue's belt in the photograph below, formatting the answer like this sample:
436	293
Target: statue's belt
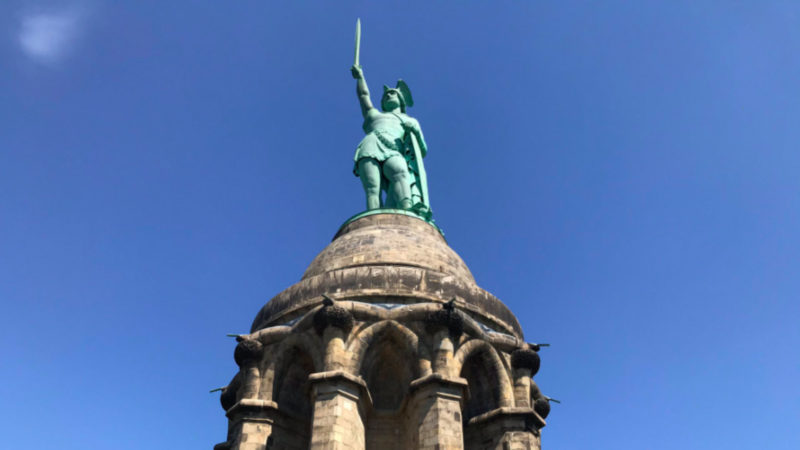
389	141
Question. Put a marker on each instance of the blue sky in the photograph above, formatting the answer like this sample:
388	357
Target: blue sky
623	175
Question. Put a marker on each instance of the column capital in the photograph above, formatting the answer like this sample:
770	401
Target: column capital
443	386
253	409
343	383
439	379
510	418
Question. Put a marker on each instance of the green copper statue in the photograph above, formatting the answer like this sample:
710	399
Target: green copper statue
389	158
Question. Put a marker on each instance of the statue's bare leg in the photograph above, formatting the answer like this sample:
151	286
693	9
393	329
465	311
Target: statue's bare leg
369	170
395	169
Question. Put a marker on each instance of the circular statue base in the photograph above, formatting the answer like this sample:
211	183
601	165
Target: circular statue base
403	212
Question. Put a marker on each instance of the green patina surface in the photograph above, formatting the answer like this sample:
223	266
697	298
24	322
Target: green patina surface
404	212
389	158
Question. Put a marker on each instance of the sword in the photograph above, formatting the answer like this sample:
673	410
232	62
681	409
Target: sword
358	40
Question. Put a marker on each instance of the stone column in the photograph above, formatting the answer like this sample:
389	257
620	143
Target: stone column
435	412
333	323
335	357
445	324
340	404
443	352
250	425
250	420
525	364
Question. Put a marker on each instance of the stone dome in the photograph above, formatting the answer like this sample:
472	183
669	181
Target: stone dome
391	240
388	258
385	343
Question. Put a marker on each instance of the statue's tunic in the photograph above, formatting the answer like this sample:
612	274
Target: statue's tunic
384	137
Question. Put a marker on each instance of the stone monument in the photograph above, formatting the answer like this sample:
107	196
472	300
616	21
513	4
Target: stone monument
386	342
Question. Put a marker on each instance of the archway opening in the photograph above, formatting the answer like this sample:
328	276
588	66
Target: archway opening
291	391
484	385
388	368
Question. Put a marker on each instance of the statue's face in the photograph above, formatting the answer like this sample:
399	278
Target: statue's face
390	100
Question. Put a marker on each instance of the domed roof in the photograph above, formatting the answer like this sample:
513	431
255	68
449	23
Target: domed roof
389	239
388	258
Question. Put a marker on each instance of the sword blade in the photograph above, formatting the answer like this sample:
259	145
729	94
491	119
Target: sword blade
358	40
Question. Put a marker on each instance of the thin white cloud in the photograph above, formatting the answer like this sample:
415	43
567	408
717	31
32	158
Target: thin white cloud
47	37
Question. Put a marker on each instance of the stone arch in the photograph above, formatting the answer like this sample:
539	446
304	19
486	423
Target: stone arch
274	359
305	341
383	353
405	337
296	357
387	356
489	382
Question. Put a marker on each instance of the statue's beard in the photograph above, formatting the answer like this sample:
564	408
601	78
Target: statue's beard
389	105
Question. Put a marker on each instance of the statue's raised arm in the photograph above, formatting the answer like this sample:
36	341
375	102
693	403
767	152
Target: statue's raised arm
361	89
